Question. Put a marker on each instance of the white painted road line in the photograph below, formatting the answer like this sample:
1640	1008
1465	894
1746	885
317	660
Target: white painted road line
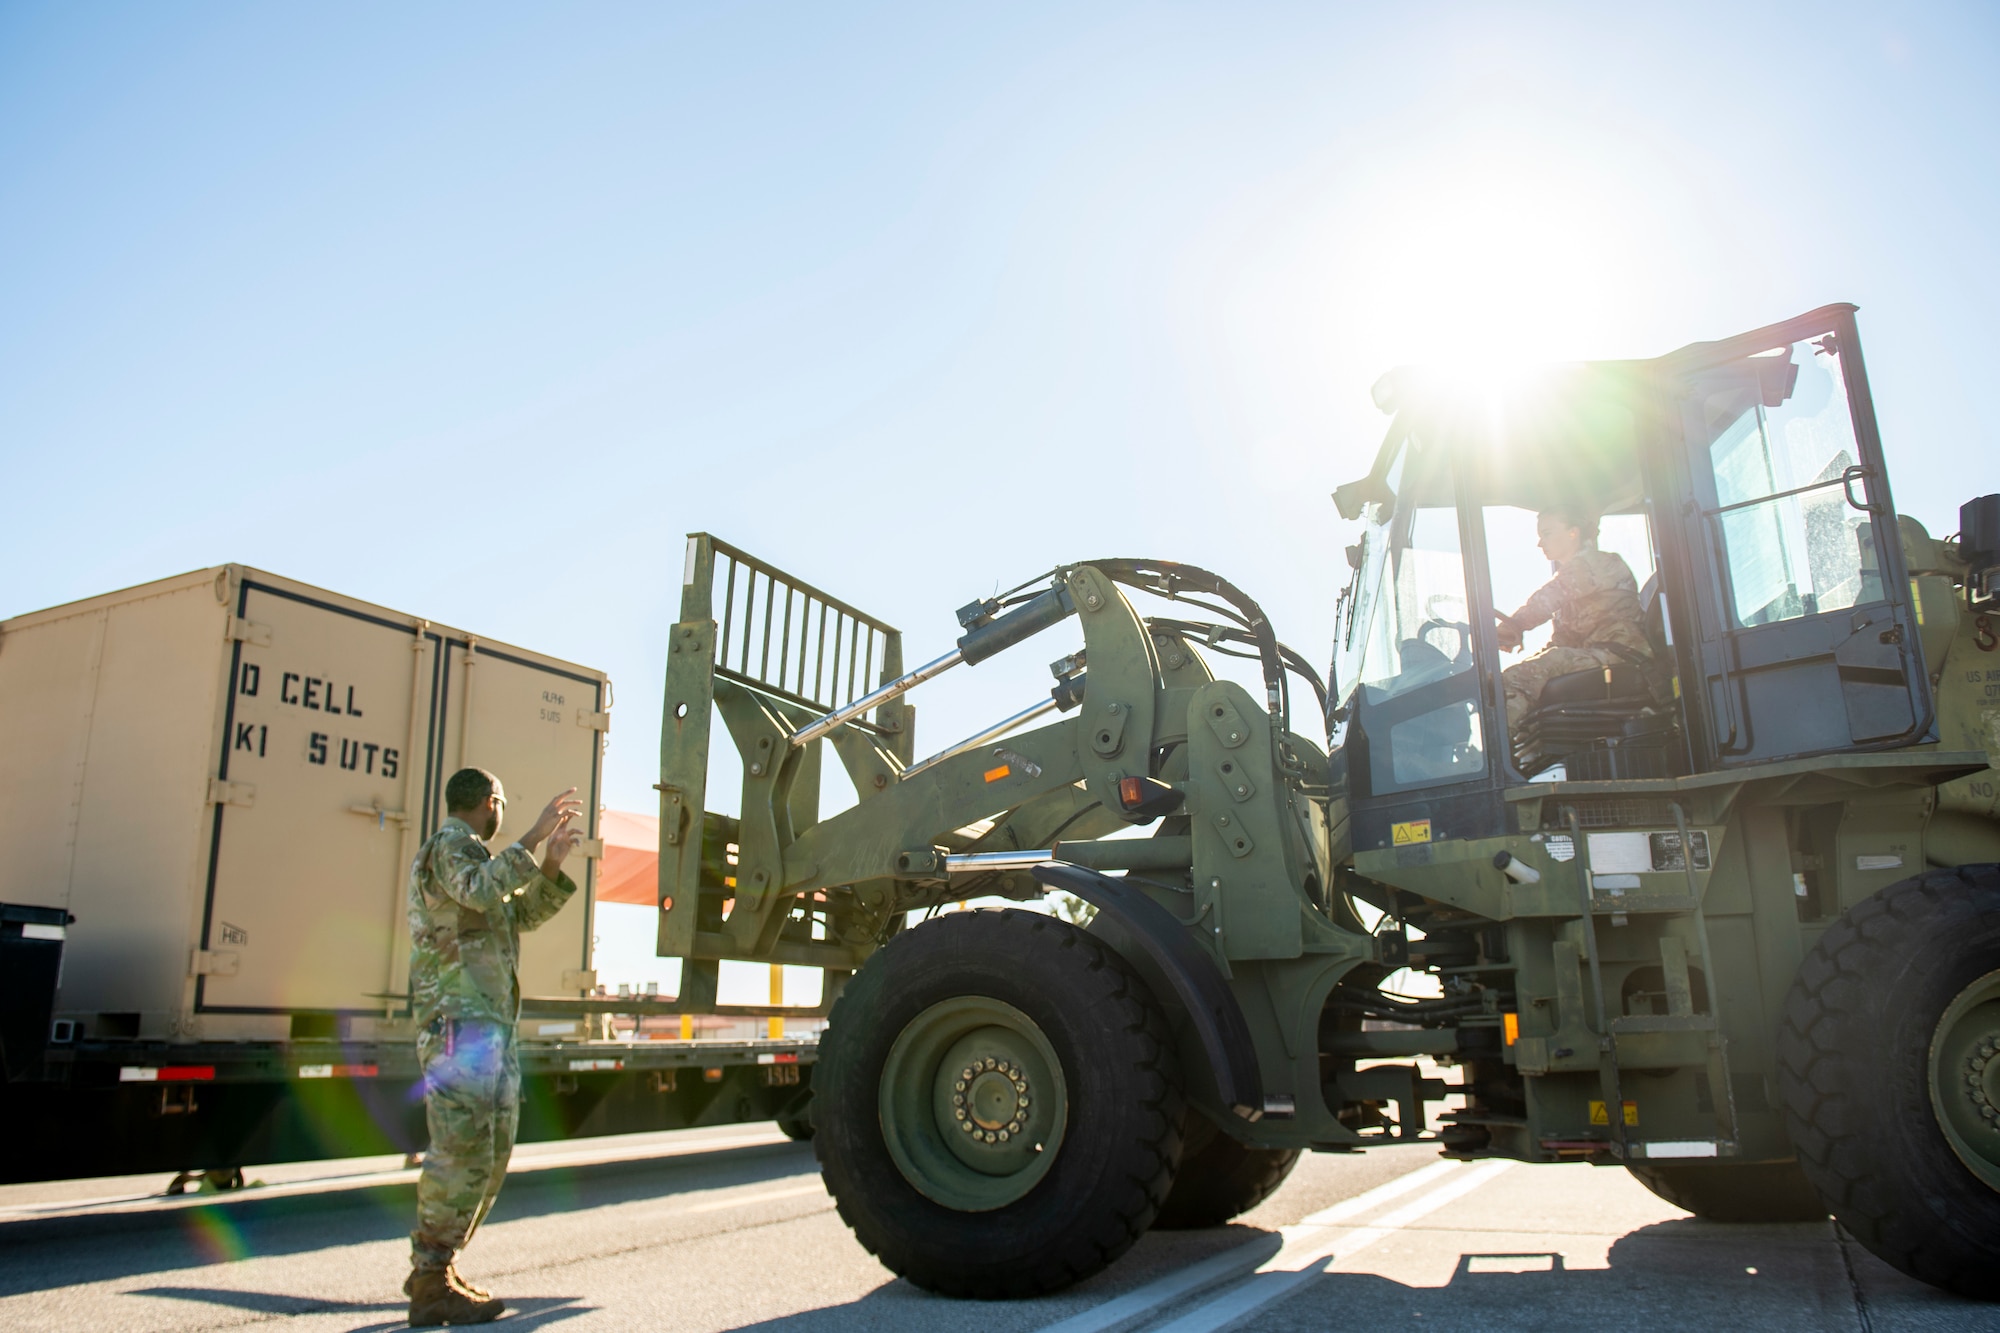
1381	1194
744	1201
1136	1304
1308	1251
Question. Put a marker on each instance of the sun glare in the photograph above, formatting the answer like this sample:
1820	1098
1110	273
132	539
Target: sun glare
1496	253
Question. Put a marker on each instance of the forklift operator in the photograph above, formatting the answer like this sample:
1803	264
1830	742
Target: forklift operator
1594	602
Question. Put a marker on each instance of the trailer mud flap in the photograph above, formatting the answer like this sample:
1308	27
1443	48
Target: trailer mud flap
1210	1004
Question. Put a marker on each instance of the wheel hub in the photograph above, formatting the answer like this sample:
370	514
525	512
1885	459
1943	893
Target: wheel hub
1965	1077
1982	1079
990	1099
973	1103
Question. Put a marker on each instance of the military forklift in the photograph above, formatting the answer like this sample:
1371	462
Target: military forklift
1726	915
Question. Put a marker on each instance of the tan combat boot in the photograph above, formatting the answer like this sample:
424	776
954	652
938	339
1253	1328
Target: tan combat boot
457	1281
434	1300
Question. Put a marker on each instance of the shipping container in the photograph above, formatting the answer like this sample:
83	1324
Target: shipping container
224	776
218	782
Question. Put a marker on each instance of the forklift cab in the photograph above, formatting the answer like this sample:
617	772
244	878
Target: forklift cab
1741	481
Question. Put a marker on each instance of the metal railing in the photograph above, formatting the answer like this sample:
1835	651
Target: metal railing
786	636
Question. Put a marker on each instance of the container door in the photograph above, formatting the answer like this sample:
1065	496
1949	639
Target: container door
540	730
1807	640
306	870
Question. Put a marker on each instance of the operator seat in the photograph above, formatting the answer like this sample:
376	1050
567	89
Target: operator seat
1609	722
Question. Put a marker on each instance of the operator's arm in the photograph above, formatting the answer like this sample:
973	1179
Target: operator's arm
472	879
1542	605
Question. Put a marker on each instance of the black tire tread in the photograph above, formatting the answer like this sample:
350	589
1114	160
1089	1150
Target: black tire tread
1115	996
1220	1178
1944	1230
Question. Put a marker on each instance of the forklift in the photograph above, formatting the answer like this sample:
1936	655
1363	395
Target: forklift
1724	913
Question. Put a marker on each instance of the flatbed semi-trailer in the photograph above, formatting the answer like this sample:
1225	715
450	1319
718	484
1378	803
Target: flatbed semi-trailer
124	1107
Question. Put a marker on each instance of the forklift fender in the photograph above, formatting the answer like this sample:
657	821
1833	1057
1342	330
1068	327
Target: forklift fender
1209	1003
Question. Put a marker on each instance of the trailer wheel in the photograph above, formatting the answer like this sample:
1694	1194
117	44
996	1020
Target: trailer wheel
1219	1178
1889	1063
997	1105
1753	1192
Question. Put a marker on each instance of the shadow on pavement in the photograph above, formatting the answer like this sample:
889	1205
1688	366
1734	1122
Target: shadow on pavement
1680	1274
901	1304
37	1254
520	1314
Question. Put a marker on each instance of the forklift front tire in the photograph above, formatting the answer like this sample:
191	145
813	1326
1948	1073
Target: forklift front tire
997	1105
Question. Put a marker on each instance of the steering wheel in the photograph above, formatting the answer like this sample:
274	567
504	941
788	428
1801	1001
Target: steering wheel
1463	657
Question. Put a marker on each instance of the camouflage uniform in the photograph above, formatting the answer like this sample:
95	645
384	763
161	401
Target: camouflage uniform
1594	602
467	910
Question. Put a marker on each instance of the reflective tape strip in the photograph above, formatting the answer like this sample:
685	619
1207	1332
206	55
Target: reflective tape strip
596	1064
339	1071
166	1073
1681	1148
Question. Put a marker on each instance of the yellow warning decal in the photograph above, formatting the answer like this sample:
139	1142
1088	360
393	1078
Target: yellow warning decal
995	774
1415	830
1510	1027
1597	1113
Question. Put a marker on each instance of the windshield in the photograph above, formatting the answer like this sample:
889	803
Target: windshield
1404	652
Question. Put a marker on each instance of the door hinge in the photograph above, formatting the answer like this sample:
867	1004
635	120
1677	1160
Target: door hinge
591	848
595	721
231	793
378	814
579	978
214	963
250	632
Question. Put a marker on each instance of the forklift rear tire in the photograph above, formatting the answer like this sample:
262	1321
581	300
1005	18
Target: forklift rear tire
1889	1063
997	1105
1220	1178
1753	1192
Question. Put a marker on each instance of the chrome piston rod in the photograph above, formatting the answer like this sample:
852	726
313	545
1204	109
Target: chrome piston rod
992	733
902	685
971	863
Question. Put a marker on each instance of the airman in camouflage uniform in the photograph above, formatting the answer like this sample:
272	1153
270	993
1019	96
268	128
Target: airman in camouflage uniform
1594	602
467	909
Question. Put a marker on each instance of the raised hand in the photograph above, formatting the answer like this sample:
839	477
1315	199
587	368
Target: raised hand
561	843
558	812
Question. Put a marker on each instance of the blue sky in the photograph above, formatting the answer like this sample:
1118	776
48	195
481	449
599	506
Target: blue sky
476	310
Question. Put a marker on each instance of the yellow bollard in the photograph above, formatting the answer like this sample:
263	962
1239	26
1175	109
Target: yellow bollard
777	997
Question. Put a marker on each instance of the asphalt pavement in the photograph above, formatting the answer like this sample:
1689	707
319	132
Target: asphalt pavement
730	1229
